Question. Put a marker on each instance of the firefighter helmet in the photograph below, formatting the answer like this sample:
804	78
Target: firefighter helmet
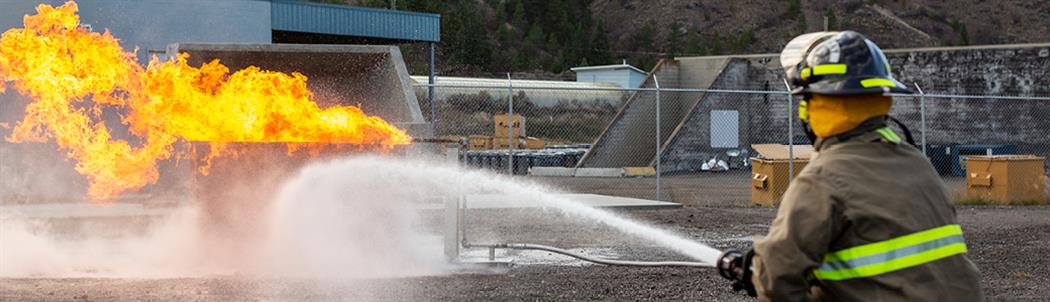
837	63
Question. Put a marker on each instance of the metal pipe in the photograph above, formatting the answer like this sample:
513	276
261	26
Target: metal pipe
528	246
656	82
510	126
430	92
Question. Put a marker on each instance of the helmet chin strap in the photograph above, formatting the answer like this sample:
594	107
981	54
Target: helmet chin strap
809	132
806	128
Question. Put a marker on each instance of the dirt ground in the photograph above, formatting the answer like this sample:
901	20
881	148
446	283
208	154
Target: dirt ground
1010	245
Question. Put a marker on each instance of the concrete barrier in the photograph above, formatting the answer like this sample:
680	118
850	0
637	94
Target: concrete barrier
599	172
552	171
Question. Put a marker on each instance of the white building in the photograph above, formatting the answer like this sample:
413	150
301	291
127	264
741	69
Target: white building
626	76
540	93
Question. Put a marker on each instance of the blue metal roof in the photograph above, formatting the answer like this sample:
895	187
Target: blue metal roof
354	21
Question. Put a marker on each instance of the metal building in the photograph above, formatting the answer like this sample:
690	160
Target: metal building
150	26
624	75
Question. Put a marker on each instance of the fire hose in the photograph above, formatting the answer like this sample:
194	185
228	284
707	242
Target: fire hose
612	262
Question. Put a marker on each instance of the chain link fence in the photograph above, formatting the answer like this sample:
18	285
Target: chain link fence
739	145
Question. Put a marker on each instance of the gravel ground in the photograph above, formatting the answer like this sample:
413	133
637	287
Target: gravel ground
1010	245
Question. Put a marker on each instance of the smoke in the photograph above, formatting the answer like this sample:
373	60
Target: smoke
327	222
46	248
339	219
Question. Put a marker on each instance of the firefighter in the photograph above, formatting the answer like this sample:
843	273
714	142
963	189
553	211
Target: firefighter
868	219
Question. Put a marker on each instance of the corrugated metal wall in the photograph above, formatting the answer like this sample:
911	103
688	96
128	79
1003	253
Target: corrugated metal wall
354	21
151	25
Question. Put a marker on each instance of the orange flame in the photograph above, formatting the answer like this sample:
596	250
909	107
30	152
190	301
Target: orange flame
72	75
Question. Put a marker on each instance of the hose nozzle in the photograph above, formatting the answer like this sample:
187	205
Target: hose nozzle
728	263
736	266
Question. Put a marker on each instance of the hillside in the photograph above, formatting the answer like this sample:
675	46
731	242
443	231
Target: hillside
892	24
543	38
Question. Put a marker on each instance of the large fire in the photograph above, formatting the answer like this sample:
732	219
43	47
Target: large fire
73	75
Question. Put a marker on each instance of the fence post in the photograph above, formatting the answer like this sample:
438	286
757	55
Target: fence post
430	94
510	126
791	134
656	82
922	116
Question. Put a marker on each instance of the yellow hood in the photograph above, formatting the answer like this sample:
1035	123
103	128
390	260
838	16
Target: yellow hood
830	115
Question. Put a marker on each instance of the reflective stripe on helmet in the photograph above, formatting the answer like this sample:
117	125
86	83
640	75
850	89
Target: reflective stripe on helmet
823	70
889	135
877	82
890	255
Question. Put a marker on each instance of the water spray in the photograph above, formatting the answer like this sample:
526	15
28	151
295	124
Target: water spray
610	262
456	237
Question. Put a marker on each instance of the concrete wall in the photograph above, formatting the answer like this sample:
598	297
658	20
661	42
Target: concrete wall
1018	70
630	139
762	117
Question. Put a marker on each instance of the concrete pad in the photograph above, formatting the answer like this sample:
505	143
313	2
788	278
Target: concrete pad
552	171
599	172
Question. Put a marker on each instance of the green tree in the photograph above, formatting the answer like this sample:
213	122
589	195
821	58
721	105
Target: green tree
674	40
693	45
646	61
517	18
535	37
794	8
365	3
577	47
501	12
960	29
599	50
643	38
802	26
531	46
556	21
745	39
833	20
466	41
519	60
507	52
716	43
558	62
427	6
